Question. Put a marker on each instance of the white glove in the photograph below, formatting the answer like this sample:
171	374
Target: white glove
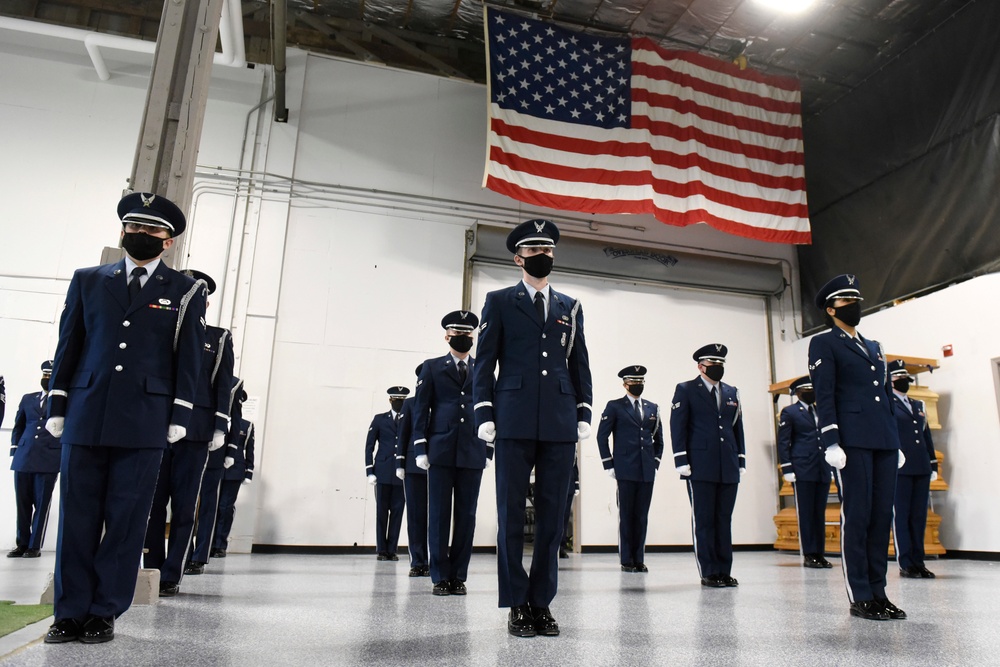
582	430
175	433
228	462
487	431
836	457
372	479
401	473
423	463
611	473
55	425
742	471
902	459
218	440
934	476
247	482
685	471
576	493
789	476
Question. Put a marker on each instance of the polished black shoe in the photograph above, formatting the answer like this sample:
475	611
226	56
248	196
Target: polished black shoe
382	556
32	553
169	589
217	553
728	581
909	572
442	588
813	561
562	553
629	568
194	567
97	630
641	567
520	622
16	552
926	574
545	625
826	564
66	630
458	587
425	571
416	571
713	581
392	556
891	610
870	610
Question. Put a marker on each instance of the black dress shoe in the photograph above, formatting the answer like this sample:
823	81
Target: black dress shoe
458	587
382	556
728	581
811	560
520	622
66	630
825	563
169	589
392	556
713	581
416	571
425	571
909	572
442	588
17	552
926	574
98	629
217	553
194	567
562	553
891	610
870	610
629	568
641	567
545	625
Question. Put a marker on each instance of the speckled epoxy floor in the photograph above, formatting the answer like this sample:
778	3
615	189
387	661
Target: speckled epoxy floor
351	610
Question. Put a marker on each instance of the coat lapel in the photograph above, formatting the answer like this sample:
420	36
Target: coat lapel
853	347
525	304
153	290
451	369
116	282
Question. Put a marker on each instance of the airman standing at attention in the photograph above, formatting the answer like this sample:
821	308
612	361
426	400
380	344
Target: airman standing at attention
380	467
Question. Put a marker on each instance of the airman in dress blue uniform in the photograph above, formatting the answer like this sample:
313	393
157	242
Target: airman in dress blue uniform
414	490
706	433
855	410
380	466
183	464
638	446
446	446
536	410
35	464
123	387
800	451
238	466
913	479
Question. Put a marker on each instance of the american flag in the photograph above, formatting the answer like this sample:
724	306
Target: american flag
598	124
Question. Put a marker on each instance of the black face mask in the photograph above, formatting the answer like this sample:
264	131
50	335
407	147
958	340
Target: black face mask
142	246
715	373
45	384
396	403
807	397
538	266
902	385
460	344
849	314
636	389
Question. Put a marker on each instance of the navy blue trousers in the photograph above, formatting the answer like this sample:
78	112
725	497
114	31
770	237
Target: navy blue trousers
415	492
33	495
810	510
634	499
389	504
105	495
178	484
712	526
228	492
553	465
868	483
208	507
444	485
909	520
567	515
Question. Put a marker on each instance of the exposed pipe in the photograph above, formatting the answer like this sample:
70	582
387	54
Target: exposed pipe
233	55
279	30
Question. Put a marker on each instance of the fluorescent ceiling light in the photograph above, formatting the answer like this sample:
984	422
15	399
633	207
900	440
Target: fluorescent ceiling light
789	6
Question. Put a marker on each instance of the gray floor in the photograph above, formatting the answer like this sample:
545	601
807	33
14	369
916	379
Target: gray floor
351	610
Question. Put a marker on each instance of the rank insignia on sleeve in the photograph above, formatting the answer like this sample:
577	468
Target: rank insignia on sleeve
675	405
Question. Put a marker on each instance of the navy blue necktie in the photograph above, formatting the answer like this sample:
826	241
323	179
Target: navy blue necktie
463	371
540	306
135	284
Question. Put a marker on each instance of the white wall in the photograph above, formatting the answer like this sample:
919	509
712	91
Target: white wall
964	316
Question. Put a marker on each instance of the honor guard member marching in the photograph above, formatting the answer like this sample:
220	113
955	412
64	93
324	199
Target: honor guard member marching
536	410
446	446
706	432
858	429
123	385
208	497
380	466
913	479
635	426
36	455
414	490
238	466
183	463
800	451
